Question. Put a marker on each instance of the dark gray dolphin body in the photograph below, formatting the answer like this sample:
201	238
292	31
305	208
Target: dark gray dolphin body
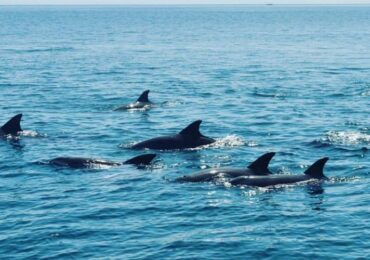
189	137
315	171
79	162
140	103
258	167
12	127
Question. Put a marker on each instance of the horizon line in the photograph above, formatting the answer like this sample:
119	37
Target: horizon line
206	4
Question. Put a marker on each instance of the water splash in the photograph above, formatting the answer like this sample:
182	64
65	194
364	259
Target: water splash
230	141
347	138
31	133
127	145
172	103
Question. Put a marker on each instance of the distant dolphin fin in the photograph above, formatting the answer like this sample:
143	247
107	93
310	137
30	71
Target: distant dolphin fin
316	170
144	159
13	126
260	166
144	96
192	130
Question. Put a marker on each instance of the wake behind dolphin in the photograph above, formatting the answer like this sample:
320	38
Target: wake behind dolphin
80	162
12	127
189	137
315	171
258	167
141	103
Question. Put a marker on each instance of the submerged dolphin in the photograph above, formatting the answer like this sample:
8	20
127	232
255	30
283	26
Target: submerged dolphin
12	127
141	102
189	137
79	162
315	171
258	167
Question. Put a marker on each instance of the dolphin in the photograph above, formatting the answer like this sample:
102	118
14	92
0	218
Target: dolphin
315	171
12	127
140	103
258	167
79	162
189	137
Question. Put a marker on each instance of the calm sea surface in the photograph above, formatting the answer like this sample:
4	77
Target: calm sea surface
289	79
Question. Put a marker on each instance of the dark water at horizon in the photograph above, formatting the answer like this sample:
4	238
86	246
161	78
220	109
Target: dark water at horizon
289	79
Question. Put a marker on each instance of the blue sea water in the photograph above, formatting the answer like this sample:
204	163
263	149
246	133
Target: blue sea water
289	79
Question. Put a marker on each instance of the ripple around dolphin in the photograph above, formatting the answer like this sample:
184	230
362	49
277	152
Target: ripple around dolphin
307	183
31	133
228	141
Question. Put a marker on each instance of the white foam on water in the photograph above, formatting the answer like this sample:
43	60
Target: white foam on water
229	141
347	138
30	133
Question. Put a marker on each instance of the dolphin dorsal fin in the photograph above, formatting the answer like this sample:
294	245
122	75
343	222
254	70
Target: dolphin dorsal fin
316	170
13	126
260	166
144	159
192	130
144	97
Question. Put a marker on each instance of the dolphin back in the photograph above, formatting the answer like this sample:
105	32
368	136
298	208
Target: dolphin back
144	159
191	133
192	130
260	166
144	97
316	170
13	126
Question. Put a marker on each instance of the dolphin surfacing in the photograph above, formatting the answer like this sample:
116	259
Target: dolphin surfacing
12	127
189	137
81	162
315	171
141	103
259	167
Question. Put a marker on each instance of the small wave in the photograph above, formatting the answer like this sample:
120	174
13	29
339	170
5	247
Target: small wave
352	123
326	144
50	49
127	145
30	133
10	137
172	103
365	93
270	95
342	139
319	144
144	108
347	138
133	110
12	175
98	166
109	72
344	179
229	141
250	191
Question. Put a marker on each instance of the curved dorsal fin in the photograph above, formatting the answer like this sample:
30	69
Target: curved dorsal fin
13	126
192	129
144	96
144	159
316	170
260	166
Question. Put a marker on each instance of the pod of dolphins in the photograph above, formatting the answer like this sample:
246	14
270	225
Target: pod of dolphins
255	174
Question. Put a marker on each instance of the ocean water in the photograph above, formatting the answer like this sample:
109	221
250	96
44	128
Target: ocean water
289	79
